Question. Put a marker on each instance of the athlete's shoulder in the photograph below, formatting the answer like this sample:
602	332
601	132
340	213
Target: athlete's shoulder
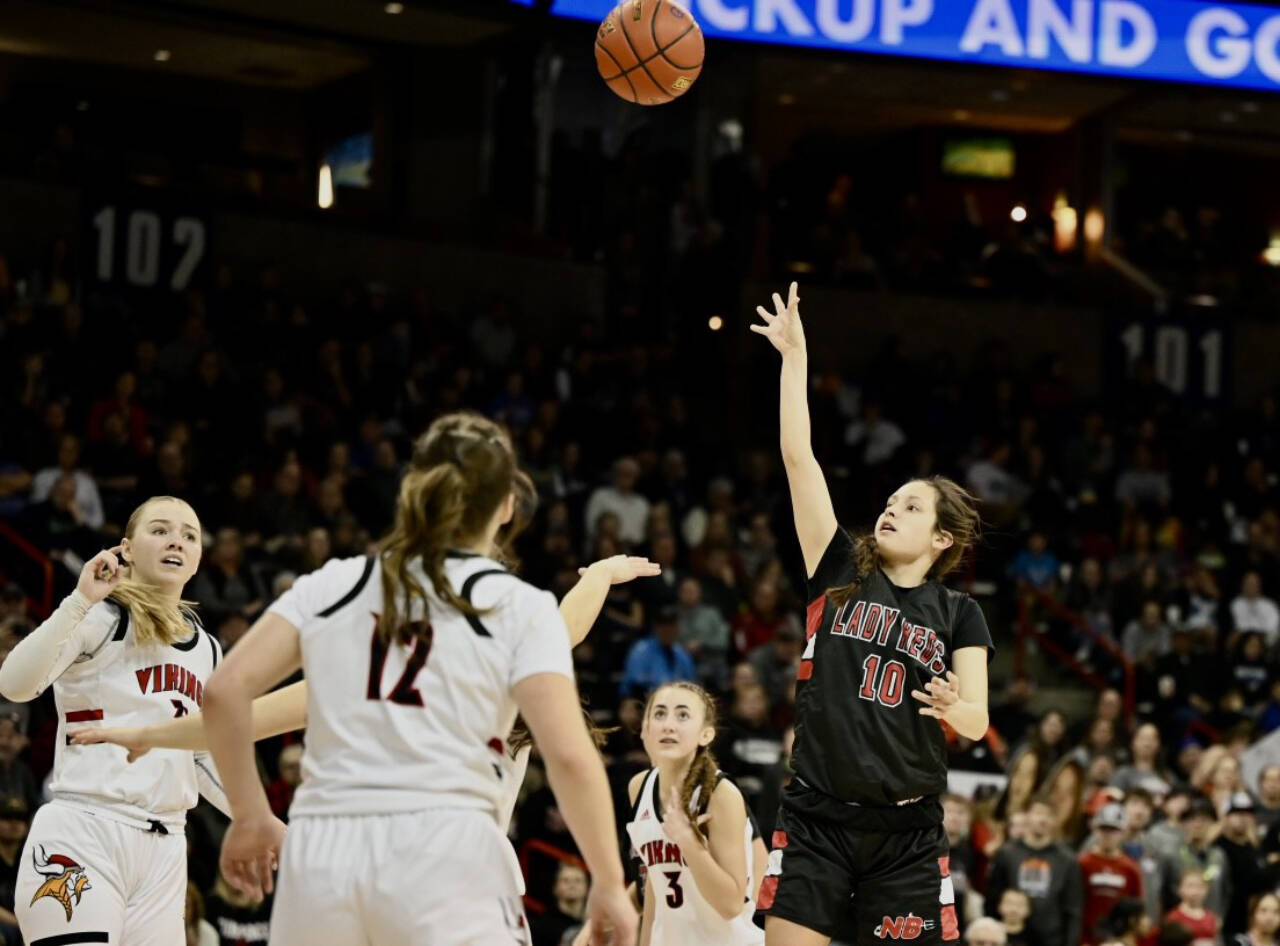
637	783
726	796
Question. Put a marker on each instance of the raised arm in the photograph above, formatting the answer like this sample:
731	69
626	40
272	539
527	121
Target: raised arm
815	517
581	606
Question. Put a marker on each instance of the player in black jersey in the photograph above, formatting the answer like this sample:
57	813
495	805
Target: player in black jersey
890	654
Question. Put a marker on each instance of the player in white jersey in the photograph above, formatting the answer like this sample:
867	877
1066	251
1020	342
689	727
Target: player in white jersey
689	830
417	661
105	860
285	710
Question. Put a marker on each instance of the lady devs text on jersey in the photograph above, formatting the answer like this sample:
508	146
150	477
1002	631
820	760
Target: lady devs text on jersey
1185	40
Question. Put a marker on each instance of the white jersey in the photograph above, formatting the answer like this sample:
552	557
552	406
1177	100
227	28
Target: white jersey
396	728
112	679
682	916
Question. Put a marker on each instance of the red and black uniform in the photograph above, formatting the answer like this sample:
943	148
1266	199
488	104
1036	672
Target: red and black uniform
860	846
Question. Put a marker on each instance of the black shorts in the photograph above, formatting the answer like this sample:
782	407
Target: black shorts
875	875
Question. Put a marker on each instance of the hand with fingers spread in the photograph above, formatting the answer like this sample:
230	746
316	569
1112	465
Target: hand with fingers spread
623	568
100	575
130	738
676	823
940	696
782	326
251	853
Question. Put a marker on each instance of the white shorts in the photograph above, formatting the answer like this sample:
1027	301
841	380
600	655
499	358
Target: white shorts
426	878
84	878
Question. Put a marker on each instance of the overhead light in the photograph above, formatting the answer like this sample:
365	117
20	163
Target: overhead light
161	55
1271	255
394	8
1203	299
715	323
960	115
324	196
1018	213
1065	224
1095	226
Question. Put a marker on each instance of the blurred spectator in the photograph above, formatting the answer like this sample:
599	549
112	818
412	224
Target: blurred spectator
280	791
1239	841
657	659
1015	912
88	501
1192	911
1197	855
1251	610
762	622
15	818
1147	636
957	821
239	919
1035	566
777	662
704	633
1141	485
1108	874
1047	873
1031	763
1264	922
748	745
225	585
623	501
569	909
16	780
1268	810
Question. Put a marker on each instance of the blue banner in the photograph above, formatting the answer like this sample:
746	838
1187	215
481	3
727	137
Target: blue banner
1231	44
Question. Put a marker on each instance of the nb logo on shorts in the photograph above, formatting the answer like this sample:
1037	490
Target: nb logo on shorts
903	927
65	880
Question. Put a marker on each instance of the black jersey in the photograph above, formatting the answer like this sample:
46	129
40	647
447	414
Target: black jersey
859	735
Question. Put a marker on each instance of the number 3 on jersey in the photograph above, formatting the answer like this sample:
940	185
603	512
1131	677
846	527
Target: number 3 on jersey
675	897
405	693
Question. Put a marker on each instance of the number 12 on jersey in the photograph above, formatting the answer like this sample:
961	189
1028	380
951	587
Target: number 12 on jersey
404	693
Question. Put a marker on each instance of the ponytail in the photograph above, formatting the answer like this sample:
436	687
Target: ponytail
463	468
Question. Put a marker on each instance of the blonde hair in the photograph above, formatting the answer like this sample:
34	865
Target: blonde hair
703	768
156	619
462	469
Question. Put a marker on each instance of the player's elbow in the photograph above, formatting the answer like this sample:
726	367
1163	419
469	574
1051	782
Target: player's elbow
729	907
14	689
223	689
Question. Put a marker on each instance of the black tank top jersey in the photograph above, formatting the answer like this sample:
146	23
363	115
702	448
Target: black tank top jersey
859	735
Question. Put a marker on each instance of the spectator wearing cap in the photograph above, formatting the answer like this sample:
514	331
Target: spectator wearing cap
1197	853
1108	874
1238	840
1139	808
15	776
657	659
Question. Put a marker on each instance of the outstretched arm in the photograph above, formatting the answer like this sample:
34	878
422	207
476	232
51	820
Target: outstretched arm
815	517
581	606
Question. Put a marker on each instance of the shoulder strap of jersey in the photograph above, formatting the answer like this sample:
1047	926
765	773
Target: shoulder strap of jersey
213	649
355	590
465	593
122	623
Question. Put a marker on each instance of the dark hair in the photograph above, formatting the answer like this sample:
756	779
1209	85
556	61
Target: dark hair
521	736
703	768
1256	901
1122	919
957	514
1142	795
1173	933
462	469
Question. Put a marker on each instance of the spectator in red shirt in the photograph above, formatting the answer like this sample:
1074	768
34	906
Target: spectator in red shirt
1191	912
1108	873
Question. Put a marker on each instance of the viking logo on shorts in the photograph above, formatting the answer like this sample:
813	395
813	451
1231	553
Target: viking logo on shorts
903	927
64	879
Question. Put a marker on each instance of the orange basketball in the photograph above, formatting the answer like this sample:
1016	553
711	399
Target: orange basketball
649	51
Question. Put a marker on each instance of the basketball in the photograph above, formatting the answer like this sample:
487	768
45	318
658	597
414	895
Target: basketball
649	51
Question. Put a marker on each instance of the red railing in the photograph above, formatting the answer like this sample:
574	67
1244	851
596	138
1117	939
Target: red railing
534	846
1027	597
44	603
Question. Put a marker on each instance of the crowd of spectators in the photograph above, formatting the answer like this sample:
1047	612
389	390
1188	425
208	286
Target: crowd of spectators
285	420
